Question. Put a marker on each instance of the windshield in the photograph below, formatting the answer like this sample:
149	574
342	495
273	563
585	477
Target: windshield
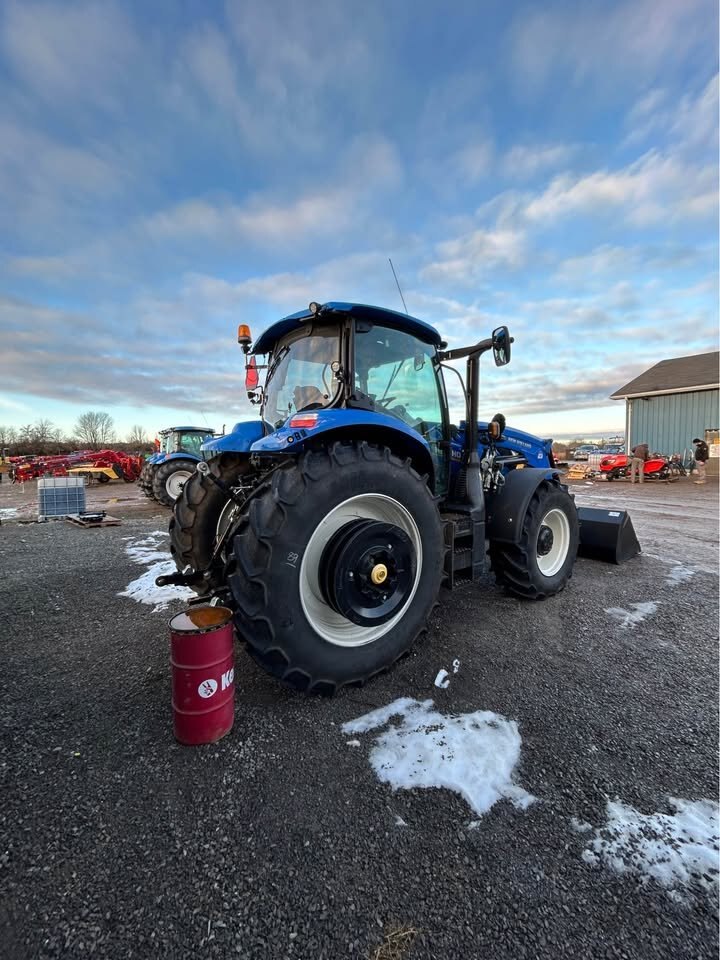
191	443
301	376
398	373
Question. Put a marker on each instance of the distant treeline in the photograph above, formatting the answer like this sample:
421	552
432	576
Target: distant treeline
93	430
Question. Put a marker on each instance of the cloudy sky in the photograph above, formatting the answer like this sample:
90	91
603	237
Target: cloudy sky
168	170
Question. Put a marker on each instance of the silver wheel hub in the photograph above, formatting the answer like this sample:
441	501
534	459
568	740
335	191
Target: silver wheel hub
329	624
553	542
175	483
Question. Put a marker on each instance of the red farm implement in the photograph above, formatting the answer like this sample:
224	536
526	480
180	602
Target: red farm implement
103	466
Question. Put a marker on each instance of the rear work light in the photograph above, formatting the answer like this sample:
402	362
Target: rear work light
307	420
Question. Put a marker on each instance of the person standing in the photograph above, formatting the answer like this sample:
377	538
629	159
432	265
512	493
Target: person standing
701	455
639	454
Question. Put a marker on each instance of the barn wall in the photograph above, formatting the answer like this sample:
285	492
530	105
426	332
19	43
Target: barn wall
669	422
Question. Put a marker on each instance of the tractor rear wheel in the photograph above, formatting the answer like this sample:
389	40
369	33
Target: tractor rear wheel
201	514
336	566
541	564
170	478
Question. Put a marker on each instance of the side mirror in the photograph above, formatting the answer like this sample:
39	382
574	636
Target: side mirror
501	341
252	379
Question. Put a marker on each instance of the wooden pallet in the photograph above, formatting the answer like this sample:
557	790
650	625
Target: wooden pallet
105	522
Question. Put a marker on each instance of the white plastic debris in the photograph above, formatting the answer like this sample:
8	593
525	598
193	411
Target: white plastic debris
442	679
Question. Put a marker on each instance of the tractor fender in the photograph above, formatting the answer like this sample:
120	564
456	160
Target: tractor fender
329	426
505	509
155	459
240	439
180	455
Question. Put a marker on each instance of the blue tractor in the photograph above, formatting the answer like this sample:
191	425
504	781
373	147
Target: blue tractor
166	472
330	522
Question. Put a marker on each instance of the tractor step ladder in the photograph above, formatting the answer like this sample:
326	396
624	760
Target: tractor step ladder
460	550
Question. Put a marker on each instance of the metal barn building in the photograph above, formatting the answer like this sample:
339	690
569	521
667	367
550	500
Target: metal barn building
673	402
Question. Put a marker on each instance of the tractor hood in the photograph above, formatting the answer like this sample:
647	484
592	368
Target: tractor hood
361	311
239	440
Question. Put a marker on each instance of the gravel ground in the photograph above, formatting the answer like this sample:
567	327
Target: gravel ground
279	841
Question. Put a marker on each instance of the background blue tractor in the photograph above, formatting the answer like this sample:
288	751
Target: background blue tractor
330	522
165	473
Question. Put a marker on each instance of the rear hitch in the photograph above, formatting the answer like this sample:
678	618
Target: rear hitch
178	579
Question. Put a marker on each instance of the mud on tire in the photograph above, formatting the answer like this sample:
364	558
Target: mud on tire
269	578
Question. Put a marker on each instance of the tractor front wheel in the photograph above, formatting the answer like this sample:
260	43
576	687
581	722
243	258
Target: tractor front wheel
541	564
336	566
201	514
170	478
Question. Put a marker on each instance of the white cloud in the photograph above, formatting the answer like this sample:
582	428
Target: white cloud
475	161
655	188
475	254
689	123
71	52
368	168
609	43
523	162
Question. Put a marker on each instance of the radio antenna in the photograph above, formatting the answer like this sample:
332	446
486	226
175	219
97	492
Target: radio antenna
398	286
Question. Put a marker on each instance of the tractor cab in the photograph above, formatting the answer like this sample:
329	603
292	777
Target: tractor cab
183	440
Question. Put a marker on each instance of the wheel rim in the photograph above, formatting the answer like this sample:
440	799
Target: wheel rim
228	515
553	542
175	483
329	624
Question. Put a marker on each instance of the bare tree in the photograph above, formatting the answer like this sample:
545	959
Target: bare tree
45	432
8	435
137	436
95	428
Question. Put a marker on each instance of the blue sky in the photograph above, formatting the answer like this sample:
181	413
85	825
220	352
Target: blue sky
170	170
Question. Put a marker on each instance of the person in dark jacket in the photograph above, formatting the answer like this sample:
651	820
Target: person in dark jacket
701	455
639	455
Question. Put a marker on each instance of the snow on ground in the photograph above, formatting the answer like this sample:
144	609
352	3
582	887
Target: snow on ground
150	551
631	618
677	850
474	754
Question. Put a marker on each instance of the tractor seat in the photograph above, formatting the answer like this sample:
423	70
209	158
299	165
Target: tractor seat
308	396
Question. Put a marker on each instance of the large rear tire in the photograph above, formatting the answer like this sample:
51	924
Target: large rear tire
170	478
336	566
541	564
201	514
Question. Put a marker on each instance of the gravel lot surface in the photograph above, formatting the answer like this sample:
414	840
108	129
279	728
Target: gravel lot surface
279	841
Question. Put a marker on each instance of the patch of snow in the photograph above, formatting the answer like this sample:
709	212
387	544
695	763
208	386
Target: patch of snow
679	574
631	618
580	826
7	513
149	551
456	666
353	743
474	754
677	850
473	825
399	822
442	679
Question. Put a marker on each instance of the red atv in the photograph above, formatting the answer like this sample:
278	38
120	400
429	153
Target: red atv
616	466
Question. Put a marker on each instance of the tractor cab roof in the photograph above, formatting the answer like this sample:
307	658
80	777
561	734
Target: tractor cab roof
168	430
361	311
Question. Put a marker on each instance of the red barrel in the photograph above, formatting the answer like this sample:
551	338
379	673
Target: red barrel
203	676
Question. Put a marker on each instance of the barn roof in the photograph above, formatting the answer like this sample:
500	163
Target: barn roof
681	375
